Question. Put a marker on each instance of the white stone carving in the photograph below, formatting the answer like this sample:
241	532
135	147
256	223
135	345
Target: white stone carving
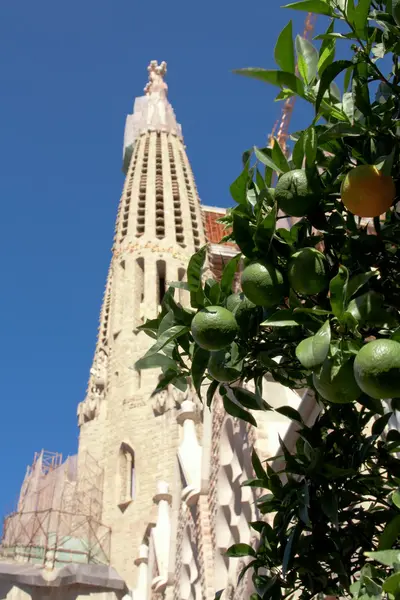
161	535
236	504
142	562
189	453
90	407
98	371
190	585
152	111
156	90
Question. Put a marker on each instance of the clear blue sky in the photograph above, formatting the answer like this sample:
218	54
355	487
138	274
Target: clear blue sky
69	74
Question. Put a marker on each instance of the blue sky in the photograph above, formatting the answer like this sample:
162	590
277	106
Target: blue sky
69	74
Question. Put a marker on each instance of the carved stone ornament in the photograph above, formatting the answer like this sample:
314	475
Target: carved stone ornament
90	407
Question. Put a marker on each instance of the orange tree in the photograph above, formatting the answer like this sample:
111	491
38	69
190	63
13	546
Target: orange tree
319	309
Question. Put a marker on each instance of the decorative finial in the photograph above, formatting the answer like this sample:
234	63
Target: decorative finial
156	77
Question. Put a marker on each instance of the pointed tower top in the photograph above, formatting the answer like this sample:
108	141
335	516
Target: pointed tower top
156	78
151	112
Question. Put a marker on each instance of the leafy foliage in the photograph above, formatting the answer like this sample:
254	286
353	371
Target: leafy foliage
333	503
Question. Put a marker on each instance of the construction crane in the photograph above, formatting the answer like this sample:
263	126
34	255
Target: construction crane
280	131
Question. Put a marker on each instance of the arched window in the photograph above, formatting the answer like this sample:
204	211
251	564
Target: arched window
126	475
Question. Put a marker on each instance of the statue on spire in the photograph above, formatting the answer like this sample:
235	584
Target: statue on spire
156	83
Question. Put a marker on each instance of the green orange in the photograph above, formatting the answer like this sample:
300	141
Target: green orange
377	369
308	271
294	193
340	387
214	328
263	284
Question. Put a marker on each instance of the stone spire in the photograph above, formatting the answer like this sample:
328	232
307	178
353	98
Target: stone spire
159	226
151	112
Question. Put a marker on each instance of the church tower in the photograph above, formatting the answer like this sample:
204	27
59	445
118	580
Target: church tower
154	496
159	226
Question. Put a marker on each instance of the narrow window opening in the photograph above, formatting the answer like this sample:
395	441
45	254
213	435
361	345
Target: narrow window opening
183	295
161	280
126	474
139	309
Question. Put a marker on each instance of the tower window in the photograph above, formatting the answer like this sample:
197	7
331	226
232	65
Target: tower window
126	475
179	236
160	220
161	284
139	290
196	237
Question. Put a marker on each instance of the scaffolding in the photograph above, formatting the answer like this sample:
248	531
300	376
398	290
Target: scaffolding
58	516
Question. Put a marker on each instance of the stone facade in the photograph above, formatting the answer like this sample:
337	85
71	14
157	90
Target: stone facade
171	469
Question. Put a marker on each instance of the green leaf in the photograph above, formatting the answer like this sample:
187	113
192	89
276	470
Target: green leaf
265	231
326	51
237	411
288	553
238	188
319	7
195	269
250	400
310	146
298	152
279	158
390	534
228	274
327	77
348	105
281	318
284	51
263	157
360	17
396	498
312	311
388	162
338	291
380	424
150	327
194	273
240	550
199	366
312	351
243	233
385	557
357	282
212	388
154	361
212	291
307	57
290	413
329	505
169	377
165	338
166	323
257	466
391	585
347	78
360	88
281	79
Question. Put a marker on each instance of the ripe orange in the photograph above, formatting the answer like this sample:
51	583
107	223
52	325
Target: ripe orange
366	192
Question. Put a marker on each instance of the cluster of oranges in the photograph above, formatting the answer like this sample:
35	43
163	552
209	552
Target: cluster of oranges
365	192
